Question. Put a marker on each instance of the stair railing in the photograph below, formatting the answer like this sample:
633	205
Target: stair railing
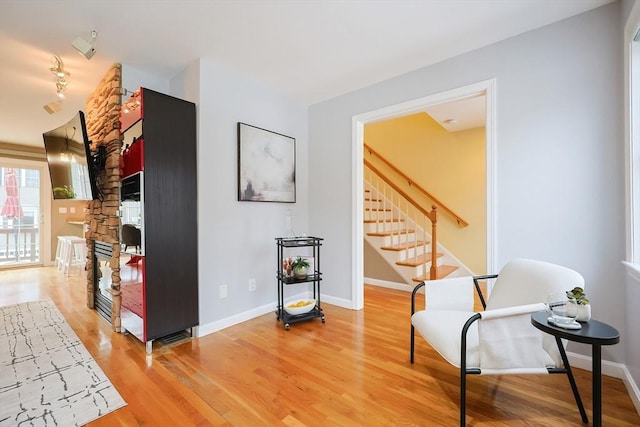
385	196
411	183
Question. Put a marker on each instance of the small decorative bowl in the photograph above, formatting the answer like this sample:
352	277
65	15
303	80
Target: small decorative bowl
297	307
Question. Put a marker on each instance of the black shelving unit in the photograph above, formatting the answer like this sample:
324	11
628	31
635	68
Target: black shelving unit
285	244
166	189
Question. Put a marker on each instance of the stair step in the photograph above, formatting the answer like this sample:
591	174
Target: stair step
371	221
441	272
391	233
372	199
384	210
403	246
418	260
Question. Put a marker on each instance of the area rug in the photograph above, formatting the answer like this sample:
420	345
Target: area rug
47	376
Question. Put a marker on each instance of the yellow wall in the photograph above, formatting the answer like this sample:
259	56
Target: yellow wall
449	165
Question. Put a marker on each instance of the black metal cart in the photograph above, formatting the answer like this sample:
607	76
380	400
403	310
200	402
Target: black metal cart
285	244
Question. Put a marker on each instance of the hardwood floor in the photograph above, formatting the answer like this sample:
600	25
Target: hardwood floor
352	371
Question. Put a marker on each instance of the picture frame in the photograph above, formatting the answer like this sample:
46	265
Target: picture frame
266	165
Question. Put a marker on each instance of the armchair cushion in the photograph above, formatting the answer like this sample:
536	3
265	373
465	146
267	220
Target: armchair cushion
512	352
441	329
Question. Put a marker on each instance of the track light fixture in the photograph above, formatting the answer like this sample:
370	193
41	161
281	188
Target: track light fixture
86	47
60	90
61	83
59	70
61	75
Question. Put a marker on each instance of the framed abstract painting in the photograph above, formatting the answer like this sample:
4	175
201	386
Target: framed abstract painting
266	165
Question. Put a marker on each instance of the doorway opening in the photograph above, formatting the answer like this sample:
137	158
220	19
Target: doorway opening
486	89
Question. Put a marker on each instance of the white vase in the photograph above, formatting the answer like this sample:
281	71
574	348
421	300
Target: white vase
300	272
584	313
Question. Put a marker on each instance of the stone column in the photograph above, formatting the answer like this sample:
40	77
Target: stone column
103	126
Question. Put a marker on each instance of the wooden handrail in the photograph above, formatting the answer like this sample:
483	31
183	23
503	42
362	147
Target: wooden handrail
399	190
431	216
412	183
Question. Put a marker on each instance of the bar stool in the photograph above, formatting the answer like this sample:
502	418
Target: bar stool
60	250
73	253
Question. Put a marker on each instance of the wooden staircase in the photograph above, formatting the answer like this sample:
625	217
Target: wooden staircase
404	244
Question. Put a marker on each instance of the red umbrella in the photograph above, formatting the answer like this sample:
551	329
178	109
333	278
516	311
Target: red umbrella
11	207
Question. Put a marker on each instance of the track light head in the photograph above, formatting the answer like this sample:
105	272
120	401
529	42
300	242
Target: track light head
86	47
59	70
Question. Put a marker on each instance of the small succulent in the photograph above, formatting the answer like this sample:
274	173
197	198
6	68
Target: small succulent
300	262
578	294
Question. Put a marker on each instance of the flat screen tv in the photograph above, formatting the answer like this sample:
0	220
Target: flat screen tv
71	166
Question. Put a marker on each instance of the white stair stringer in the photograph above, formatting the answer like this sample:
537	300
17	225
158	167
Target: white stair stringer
408	273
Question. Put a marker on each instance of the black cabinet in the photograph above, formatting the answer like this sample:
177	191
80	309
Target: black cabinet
287	250
160	139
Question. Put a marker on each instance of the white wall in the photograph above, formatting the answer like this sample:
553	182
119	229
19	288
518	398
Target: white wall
236	239
133	78
559	154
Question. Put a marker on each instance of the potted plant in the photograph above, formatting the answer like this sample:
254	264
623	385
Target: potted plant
584	307
64	192
299	267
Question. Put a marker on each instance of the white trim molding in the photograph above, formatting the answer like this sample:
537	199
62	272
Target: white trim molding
632	134
487	88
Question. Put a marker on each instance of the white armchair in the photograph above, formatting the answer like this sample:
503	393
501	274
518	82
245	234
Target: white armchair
499	340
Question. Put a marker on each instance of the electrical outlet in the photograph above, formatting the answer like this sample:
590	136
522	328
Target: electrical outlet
252	284
224	291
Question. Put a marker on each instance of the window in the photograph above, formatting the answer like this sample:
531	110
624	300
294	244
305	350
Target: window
31	178
632	49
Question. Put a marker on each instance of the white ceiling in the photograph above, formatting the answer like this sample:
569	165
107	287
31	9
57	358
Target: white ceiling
308	50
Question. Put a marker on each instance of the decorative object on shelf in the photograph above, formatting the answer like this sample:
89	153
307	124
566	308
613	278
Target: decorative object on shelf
300	266
300	307
287	269
584	307
64	192
266	165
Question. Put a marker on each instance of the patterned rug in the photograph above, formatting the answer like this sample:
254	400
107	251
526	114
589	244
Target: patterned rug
47	376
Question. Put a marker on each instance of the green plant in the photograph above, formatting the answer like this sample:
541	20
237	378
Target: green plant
65	192
578	294
300	263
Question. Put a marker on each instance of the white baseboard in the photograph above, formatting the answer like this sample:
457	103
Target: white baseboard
632	388
612	369
390	285
218	325
340	302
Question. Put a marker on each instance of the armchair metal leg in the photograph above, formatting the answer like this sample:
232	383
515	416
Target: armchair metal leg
463	367
572	381
463	395
412	342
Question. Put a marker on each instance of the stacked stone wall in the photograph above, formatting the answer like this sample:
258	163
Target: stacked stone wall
102	113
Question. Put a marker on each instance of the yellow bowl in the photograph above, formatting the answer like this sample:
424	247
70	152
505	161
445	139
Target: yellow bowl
300	306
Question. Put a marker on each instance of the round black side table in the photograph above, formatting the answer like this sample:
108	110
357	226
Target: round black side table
592	332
